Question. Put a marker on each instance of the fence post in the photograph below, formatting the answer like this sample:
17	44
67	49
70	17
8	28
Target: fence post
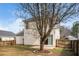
76	47
73	45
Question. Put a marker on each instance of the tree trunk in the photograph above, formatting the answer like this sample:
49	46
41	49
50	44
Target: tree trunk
41	45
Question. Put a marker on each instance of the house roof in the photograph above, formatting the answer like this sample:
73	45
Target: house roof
6	33
20	33
29	19
71	37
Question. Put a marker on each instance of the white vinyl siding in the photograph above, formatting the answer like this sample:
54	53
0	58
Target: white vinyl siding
7	38
19	39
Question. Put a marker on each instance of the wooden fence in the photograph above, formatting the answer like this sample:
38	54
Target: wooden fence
75	47
63	43
7	43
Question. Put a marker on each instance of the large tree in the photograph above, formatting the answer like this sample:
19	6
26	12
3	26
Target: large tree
75	29
47	15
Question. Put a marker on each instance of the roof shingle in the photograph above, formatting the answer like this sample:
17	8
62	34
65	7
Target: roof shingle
6	33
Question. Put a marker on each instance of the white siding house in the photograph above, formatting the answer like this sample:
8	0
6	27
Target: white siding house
31	36
6	35
20	38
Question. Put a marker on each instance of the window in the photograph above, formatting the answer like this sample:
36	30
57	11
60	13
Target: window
49	40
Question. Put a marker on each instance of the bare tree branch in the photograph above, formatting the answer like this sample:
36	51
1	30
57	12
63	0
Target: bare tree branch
46	16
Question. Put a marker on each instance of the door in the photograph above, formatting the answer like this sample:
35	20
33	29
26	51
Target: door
50	40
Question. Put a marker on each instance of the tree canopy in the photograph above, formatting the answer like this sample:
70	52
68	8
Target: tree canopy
75	29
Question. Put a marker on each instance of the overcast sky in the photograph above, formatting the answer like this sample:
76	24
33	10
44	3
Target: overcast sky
9	21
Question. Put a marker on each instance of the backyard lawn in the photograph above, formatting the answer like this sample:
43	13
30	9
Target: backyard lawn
20	50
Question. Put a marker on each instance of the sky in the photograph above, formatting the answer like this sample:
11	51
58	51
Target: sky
8	19
10	22
69	23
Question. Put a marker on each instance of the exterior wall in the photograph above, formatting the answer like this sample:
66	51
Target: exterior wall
56	35
19	39
7	38
31	37
31	25
54	41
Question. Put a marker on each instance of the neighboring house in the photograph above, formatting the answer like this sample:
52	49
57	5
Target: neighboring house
31	36
6	35
71	37
20	38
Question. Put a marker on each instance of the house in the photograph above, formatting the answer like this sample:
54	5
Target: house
30	35
6	35
20	38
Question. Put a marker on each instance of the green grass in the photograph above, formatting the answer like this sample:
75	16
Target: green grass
58	50
62	51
